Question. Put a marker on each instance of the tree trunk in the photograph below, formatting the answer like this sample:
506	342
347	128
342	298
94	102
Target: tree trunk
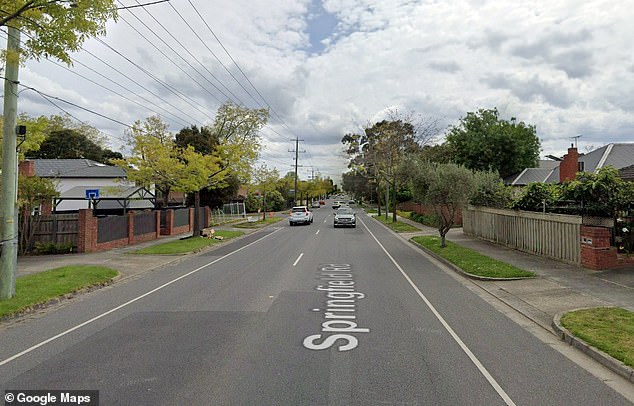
394	205
196	227
378	197
264	206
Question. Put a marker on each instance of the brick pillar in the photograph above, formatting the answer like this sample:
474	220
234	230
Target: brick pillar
596	252
207	216
569	167
169	222
87	234
157	219
130	227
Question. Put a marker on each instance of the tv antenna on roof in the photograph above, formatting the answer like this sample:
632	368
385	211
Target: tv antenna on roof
576	138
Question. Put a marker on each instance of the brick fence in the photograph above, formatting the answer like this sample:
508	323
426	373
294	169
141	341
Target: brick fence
88	241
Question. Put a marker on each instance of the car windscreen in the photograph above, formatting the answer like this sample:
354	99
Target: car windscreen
344	211
299	210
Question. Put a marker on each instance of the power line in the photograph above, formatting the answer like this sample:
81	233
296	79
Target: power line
126	76
114	91
187	99
142	5
177	54
240	69
212	53
75	105
192	55
138	84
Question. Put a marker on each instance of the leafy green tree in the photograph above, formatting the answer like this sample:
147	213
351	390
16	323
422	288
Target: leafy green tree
446	187
483	141
275	201
32	193
71	144
265	179
491	191
232	142
600	194
56	28
380	148
157	160
251	202
537	197
202	139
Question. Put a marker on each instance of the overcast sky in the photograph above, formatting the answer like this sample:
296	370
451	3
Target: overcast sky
329	67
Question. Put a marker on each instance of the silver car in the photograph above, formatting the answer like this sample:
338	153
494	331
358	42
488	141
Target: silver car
345	217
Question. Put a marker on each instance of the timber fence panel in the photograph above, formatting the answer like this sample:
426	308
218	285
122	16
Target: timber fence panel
181	217
552	235
144	223
59	229
112	228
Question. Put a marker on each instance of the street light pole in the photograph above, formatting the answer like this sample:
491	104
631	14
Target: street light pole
8	198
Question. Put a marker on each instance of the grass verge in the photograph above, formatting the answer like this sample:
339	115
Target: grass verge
471	261
260	223
37	289
187	245
398	226
609	329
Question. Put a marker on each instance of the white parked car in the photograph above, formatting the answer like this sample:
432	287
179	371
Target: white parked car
300	215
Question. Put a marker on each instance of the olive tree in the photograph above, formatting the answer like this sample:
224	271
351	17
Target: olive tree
445	187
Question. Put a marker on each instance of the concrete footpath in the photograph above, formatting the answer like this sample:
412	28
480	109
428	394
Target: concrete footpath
558	288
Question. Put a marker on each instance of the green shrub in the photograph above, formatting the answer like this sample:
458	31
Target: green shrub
50	248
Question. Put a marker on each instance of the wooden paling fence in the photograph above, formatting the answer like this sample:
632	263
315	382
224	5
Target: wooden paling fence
552	235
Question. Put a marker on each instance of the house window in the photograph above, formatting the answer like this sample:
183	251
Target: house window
581	167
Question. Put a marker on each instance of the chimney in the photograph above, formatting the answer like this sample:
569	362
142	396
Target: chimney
26	168
569	166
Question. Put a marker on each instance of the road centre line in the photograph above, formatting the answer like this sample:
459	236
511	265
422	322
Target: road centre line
447	327
298	258
129	302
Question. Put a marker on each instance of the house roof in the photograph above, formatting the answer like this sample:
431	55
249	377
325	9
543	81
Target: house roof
529	175
112	197
75	168
618	155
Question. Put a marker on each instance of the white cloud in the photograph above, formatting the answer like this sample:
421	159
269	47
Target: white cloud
564	66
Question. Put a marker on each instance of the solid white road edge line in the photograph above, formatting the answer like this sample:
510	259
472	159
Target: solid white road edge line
447	327
129	302
298	258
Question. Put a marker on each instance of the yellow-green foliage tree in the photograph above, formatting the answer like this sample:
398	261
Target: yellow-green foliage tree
156	160
56	28
265	179
36	133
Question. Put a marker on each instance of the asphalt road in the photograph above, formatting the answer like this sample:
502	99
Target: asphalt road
308	315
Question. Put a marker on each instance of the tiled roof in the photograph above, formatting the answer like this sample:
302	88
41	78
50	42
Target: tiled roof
75	168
